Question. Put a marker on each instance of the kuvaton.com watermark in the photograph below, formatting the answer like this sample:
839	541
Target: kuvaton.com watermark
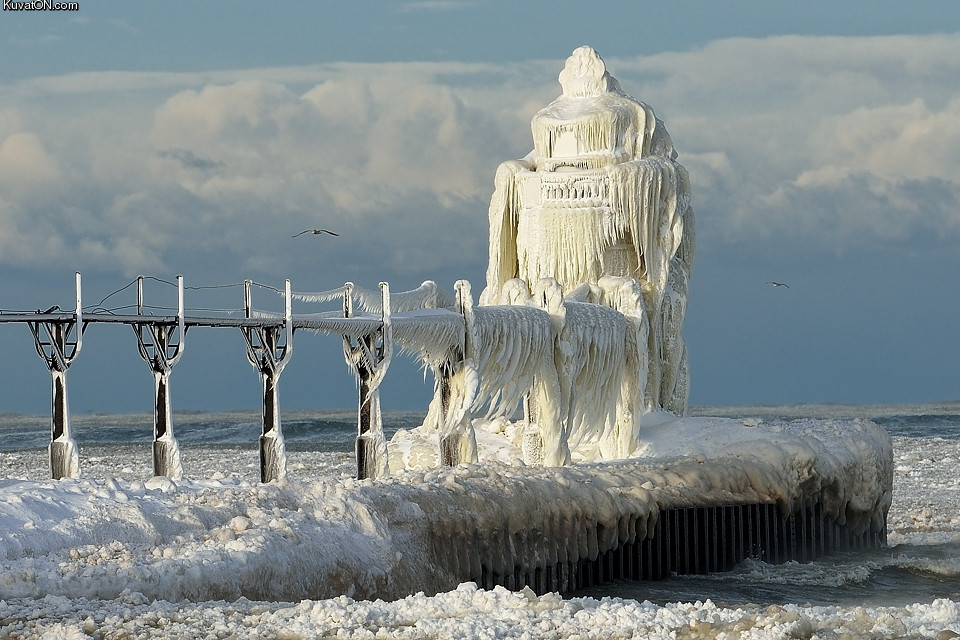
40	5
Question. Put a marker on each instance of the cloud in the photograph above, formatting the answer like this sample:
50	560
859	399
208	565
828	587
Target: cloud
833	140
26	166
866	207
123	25
829	142
435	5
188	159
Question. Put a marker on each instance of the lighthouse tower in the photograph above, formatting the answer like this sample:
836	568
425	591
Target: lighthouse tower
601	198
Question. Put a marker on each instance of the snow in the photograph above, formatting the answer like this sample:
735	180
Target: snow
227	557
470	613
319	538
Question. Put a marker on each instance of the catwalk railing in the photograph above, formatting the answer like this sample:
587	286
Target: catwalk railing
368	338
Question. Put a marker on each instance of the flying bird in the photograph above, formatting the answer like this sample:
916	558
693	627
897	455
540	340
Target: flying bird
779	284
315	232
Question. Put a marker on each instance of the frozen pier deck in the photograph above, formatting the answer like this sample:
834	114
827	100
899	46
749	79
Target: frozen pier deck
777	492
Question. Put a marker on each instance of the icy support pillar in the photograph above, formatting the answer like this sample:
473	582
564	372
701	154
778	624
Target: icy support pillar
273	452
458	442
532	439
166	452
58	339
370	357
368	447
269	348
449	441
161	345
64	458
545	436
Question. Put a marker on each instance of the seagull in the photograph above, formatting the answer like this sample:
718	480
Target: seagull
779	284
315	232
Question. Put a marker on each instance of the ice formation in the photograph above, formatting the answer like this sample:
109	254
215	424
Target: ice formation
591	246
601	195
428	530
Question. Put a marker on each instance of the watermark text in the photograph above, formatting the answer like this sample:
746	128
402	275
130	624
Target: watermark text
40	5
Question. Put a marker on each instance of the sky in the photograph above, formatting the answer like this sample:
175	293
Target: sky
822	141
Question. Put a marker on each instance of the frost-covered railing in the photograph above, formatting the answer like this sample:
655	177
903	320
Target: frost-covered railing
561	189
369	323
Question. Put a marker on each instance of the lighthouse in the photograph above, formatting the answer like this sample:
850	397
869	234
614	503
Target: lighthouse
600	196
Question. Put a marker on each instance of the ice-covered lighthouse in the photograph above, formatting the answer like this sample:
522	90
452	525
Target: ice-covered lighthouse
591	247
600	202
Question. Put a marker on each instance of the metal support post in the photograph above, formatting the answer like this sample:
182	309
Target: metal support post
58	344
269	348
449	438
370	357
161	344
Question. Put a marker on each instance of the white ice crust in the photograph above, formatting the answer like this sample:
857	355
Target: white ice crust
417	530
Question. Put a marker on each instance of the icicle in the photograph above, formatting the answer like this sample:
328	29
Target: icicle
427	296
626	296
505	207
322	296
673	349
454	391
429	336
589	358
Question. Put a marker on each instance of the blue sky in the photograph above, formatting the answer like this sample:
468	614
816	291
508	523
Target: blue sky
195	138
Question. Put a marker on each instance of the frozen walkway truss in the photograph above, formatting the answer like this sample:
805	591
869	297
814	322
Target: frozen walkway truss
419	325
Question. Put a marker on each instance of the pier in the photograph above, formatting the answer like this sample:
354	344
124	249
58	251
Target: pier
579	327
368	338
665	537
